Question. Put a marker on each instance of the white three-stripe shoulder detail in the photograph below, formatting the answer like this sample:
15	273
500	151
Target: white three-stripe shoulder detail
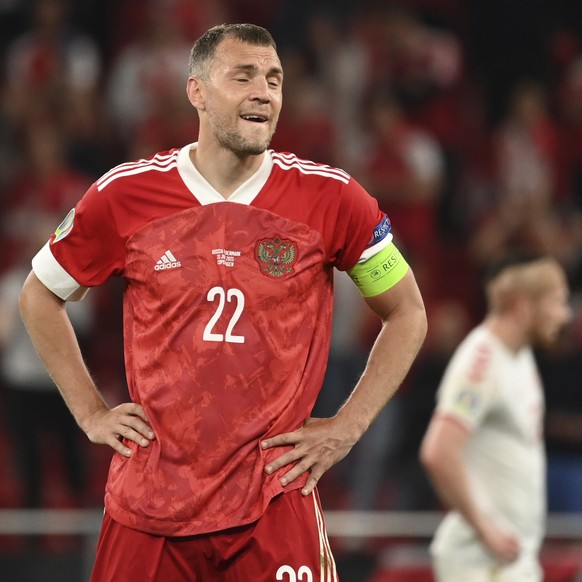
157	163
290	161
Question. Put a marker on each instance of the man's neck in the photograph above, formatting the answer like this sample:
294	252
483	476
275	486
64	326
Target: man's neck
224	170
508	332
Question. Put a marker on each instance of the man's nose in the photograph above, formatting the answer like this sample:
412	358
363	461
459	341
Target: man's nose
261	90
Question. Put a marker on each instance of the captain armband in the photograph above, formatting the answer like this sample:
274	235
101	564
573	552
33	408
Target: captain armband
380	272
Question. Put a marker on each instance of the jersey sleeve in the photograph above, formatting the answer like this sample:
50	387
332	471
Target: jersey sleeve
86	248
362	229
468	391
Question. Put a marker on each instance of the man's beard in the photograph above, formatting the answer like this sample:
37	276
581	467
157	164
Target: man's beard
235	142
241	146
544	341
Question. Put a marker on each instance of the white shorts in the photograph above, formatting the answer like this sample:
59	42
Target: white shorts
453	569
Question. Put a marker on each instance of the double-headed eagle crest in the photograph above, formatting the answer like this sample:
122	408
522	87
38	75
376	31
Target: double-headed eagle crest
276	256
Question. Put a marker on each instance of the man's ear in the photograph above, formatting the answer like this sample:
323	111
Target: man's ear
524	308
196	92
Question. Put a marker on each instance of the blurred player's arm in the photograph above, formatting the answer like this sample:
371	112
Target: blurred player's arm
52	334
442	454
322	442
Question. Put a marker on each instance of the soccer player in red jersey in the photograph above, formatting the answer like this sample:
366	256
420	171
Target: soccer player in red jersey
226	250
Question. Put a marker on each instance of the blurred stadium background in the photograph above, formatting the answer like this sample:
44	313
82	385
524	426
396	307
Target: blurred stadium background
464	119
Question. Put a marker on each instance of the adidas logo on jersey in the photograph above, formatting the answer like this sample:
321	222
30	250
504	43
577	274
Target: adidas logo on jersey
168	261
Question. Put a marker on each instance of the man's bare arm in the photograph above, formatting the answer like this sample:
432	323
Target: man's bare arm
442	454
322	442
54	339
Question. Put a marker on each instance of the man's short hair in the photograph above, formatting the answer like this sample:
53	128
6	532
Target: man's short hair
205	47
516	258
521	274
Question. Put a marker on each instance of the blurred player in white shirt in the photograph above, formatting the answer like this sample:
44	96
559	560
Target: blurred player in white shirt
483	448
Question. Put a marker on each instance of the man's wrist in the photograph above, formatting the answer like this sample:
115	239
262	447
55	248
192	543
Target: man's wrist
352	428
86	413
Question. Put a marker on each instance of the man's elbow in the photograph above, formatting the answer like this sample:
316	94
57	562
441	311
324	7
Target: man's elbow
417	322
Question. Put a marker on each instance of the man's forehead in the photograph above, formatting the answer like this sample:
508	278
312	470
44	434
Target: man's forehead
235	53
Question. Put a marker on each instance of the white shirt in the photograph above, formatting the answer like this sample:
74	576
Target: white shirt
497	395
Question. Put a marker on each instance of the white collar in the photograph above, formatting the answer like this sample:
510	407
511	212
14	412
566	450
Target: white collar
206	194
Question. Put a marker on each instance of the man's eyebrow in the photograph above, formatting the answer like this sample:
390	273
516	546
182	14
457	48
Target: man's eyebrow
253	68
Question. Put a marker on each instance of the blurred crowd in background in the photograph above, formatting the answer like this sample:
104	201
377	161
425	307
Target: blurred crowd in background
462	117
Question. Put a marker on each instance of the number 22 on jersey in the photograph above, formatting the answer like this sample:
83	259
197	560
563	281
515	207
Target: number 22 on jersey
224	295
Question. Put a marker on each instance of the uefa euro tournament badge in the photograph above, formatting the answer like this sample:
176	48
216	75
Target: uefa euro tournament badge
276	256
65	227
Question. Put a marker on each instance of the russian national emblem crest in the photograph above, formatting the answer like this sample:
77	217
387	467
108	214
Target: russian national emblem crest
276	256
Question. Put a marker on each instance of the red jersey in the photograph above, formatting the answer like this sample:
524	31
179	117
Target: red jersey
227	321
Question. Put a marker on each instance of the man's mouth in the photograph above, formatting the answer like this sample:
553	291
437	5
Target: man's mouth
254	118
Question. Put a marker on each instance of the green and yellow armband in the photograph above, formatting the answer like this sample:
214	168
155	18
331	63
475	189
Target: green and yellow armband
380	272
